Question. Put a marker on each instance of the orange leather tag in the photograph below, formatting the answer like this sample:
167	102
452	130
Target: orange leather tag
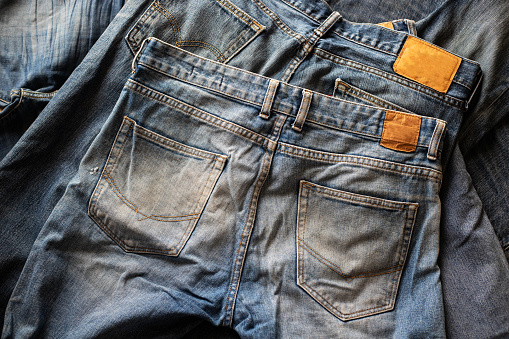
387	24
401	131
427	64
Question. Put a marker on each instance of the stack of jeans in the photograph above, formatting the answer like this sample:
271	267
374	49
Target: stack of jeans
268	166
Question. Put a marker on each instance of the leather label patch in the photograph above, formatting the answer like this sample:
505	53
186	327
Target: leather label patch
427	64
387	24
400	131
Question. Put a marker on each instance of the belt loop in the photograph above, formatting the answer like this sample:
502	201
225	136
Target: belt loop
269	99
138	55
328	23
303	110
434	144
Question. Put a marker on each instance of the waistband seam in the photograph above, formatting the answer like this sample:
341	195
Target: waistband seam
280	23
370	135
404	82
319	21
265	143
331	157
336	158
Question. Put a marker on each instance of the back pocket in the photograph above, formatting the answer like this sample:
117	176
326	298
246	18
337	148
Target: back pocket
351	249
153	190
214	29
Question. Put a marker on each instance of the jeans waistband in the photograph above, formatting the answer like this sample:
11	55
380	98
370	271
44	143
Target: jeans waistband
370	45
304	105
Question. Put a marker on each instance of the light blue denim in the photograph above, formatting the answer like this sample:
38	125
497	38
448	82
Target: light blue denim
475	272
275	158
461	27
208	51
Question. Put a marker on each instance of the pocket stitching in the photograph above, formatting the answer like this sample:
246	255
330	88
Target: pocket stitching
217	159
389	300
178	41
122	197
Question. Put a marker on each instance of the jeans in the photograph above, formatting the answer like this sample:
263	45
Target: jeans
289	131
483	134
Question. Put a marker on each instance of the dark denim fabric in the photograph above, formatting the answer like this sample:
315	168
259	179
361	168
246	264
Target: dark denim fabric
41	43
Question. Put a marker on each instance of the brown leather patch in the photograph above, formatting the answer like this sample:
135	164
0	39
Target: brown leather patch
427	64
387	24
401	131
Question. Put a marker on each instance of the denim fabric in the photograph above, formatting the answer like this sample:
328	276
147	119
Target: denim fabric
462	27
298	128
483	136
41	42
226	254
474	272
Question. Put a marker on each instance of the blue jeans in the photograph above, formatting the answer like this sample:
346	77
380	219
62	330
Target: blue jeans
474	269
289	131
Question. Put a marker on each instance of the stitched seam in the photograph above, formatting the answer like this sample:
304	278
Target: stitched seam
333	267
278	21
136	28
350	315
166	142
173	21
199	206
113	156
363	95
301	11
240	14
258	104
405	169
364	44
357	198
236	265
442	52
362	165
180	42
170	101
245	72
219	56
125	200
263	175
232	44
412	85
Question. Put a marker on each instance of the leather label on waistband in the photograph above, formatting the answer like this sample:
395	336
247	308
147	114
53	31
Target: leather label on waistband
387	24
427	64
400	131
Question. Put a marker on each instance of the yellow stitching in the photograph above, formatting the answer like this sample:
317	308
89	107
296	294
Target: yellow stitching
348	278
219	57
153	217
430	175
348	315
177	147
235	11
276	110
179	42
354	196
173	104
415	86
176	28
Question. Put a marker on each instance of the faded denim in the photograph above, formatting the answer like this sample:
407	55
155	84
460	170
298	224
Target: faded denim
109	175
